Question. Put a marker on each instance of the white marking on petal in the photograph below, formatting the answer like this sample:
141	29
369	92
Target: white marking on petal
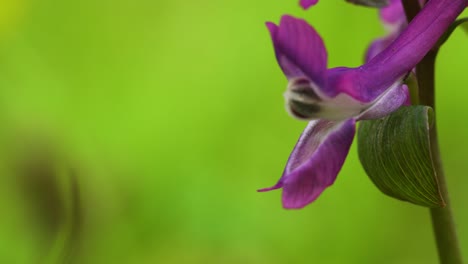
306	101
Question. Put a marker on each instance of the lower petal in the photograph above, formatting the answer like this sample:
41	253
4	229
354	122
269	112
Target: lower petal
315	161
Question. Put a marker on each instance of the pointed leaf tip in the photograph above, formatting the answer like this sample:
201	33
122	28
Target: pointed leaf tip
396	154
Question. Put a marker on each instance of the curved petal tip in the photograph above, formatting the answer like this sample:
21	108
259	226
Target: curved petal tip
299	49
315	162
307	3
272	28
275	187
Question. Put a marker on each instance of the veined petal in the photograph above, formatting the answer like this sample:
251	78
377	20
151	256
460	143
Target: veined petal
315	161
342	93
411	45
306	101
390	101
299	49
394	20
307	3
378	46
340	100
313	91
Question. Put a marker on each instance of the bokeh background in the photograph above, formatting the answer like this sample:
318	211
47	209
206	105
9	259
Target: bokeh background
138	132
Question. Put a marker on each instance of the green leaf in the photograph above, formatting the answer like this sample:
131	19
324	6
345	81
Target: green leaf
460	22
396	155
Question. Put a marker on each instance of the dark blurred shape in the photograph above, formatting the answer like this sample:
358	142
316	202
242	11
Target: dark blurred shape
38	184
370	3
48	185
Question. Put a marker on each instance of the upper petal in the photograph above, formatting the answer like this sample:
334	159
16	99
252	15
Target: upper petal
394	19
378	46
393	14
407	50
315	161
307	3
299	49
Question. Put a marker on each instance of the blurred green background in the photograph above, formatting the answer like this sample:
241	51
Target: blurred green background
138	132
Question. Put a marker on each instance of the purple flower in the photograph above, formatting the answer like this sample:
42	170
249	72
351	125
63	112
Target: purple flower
307	3
394	20
335	99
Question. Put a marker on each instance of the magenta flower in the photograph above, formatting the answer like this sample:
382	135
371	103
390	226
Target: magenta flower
335	99
307	3
394	20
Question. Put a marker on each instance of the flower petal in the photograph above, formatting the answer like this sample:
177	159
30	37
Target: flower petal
411	45
307	3
390	101
393	14
394	19
305	101
315	161
313	91
299	49
378	46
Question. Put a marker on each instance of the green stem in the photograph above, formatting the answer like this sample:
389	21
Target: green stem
442	218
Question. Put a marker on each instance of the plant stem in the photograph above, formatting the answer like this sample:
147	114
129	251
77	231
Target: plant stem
412	8
442	218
